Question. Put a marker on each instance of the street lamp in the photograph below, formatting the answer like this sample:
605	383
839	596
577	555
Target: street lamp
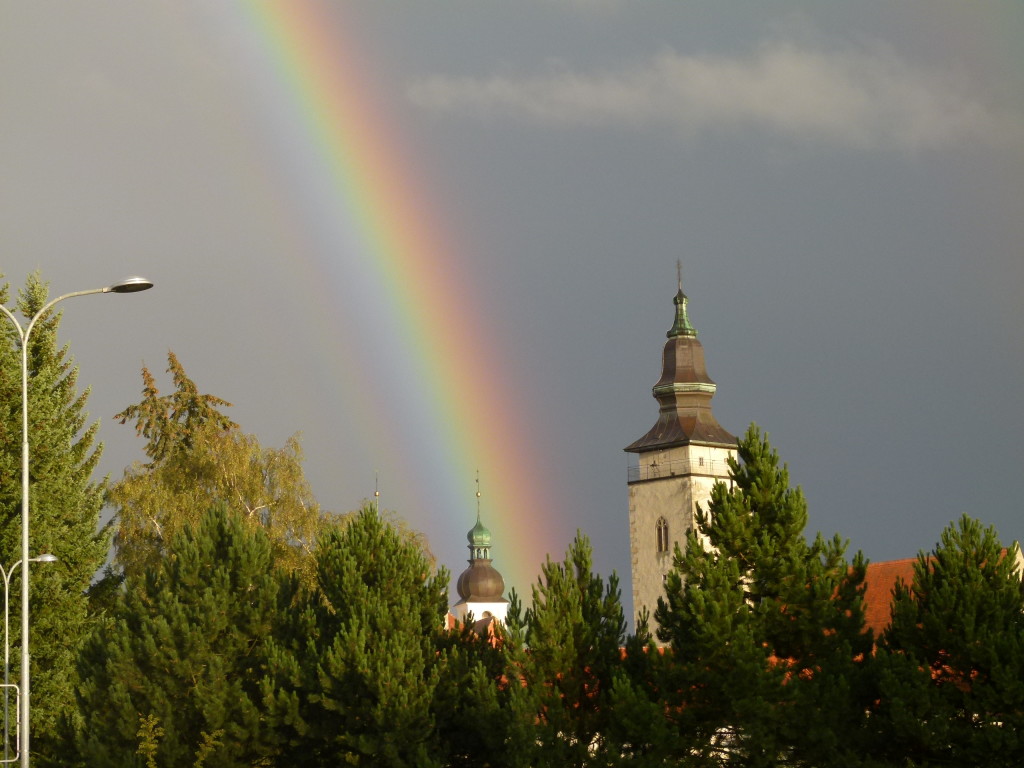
128	285
46	557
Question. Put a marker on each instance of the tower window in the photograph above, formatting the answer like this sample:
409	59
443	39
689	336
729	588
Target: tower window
661	529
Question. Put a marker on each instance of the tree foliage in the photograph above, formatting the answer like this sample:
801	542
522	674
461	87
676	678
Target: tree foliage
763	627
174	676
575	629
952	659
199	457
354	675
171	423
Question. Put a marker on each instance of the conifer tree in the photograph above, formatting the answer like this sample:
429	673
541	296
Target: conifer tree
199	457
764	627
470	703
575	629
485	712
65	504
952	658
639	733
171	423
354	676
174	677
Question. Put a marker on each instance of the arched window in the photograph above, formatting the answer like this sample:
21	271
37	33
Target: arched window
662	533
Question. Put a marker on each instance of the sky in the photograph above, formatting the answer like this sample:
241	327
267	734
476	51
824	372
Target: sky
439	240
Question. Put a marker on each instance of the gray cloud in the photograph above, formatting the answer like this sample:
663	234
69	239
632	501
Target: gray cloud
862	98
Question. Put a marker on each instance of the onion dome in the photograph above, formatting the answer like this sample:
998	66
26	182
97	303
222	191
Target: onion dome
479	539
481	583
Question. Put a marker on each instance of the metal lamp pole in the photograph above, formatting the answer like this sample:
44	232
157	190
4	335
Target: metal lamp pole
43	558
128	285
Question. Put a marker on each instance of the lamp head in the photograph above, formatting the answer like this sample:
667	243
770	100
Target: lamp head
132	284
46	557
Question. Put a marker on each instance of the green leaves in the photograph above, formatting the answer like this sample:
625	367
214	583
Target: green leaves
952	660
354	676
173	422
201	458
575	629
763	625
185	652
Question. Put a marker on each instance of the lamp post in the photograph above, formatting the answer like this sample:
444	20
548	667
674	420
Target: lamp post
128	285
46	557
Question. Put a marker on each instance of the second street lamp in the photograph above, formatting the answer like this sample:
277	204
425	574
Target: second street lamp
46	557
128	285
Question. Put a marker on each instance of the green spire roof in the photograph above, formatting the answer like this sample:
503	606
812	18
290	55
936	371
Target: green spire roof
682	325
479	536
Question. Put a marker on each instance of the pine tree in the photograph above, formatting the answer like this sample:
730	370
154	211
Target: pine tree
575	629
639	733
764	627
354	675
484	710
65	504
952	659
199	457
469	705
174	677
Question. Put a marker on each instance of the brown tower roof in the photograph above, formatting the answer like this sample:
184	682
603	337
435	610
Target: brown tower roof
481	582
683	392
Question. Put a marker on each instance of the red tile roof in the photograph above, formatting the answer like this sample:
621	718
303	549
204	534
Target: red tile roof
879	580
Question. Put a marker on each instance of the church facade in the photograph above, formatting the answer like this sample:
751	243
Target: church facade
678	461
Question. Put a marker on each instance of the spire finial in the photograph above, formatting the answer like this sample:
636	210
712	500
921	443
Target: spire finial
479	537
478	495
681	326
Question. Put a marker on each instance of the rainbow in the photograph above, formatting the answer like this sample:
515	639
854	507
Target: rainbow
430	368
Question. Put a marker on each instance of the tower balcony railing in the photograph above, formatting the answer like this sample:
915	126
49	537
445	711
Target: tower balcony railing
677	467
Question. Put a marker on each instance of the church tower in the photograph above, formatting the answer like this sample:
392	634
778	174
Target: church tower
678	461
480	587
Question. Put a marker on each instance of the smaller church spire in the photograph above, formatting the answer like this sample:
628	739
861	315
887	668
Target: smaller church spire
480	583
682	325
479	537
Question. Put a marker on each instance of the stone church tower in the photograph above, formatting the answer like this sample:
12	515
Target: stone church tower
678	461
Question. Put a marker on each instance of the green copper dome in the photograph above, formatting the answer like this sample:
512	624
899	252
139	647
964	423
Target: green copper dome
479	536
682	325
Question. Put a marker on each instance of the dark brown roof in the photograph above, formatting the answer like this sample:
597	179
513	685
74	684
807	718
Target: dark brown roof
481	583
684	394
674	428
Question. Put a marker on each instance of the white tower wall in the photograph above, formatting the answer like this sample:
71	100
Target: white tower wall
667	483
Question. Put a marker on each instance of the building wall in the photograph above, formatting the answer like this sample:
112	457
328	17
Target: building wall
497	610
667	483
